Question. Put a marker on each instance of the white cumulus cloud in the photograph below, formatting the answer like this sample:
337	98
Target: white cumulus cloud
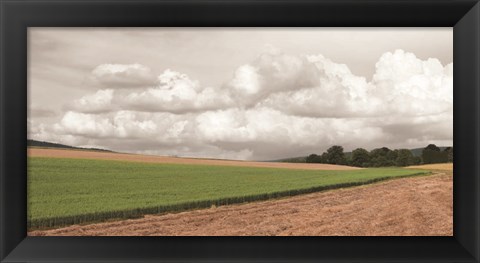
100	101
175	92
279	105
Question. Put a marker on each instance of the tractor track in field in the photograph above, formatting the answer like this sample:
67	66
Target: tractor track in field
415	206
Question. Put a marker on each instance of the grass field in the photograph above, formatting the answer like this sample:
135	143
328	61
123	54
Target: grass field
71	191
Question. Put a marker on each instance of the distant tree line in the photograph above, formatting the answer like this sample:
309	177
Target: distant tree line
382	157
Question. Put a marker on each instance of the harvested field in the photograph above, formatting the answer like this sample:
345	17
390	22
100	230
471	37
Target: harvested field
415	206
435	166
83	154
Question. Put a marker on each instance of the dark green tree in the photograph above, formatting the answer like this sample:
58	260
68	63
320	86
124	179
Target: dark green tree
379	152
405	158
449	151
360	158
313	158
432	154
382	157
380	161
432	147
416	160
335	155
392	155
323	157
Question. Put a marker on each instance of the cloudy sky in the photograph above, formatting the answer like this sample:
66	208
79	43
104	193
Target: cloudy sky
244	93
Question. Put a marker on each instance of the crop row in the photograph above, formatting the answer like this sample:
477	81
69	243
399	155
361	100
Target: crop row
59	221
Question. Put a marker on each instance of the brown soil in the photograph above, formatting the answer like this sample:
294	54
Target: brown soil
416	206
60	153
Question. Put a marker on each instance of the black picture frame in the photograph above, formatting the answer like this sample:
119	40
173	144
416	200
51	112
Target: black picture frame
17	15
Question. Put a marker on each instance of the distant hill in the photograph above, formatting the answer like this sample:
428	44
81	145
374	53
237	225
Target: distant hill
34	143
418	151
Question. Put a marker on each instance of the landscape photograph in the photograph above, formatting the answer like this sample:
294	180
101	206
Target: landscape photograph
240	132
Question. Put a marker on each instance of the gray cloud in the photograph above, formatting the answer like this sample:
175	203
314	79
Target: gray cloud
120	75
38	112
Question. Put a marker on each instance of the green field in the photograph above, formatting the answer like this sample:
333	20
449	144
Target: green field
71	191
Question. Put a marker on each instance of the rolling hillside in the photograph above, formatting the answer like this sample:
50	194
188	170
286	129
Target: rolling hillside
34	143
